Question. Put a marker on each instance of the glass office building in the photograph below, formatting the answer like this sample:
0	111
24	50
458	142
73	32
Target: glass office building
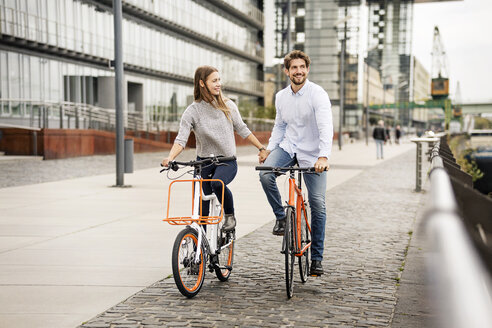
56	58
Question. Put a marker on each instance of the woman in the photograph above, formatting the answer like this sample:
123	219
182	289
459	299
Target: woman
213	119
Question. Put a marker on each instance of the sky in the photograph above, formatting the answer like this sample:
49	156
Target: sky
466	32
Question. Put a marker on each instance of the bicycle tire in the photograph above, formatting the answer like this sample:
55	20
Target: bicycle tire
289	253
226	256
304	259
188	276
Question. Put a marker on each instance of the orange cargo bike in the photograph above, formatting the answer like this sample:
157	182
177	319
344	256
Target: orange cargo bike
197	247
297	234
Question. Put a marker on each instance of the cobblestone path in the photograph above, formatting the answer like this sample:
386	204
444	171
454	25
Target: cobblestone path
370	221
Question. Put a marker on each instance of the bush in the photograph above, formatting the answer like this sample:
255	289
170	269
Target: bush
460	146
482	123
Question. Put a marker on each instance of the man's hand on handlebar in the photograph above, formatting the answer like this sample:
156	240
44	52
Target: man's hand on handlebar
321	165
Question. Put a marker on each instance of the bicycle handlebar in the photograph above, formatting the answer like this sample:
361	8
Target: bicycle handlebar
279	169
174	165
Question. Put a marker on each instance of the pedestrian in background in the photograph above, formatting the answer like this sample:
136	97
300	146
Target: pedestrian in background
379	135
397	135
388	135
302	134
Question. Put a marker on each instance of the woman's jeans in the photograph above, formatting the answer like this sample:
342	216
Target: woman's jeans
225	171
316	186
379	148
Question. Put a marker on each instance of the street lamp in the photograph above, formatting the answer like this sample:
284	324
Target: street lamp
118	68
342	72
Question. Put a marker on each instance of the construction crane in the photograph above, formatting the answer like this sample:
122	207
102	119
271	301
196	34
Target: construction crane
440	74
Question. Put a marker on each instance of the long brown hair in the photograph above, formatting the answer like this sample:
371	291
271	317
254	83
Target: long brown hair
203	93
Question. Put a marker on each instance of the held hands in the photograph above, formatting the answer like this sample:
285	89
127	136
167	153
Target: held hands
321	165
262	155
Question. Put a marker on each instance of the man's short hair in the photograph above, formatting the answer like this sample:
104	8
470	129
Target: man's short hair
296	54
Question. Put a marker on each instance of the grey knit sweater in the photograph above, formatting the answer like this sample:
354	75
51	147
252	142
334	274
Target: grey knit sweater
214	133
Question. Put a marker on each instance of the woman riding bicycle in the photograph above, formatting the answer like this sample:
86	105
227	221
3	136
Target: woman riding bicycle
213	119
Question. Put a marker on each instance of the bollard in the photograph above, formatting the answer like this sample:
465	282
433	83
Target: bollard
418	168
128	156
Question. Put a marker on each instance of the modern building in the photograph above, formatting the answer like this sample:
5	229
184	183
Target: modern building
56	59
421	87
313	29
373	89
318	27
421	82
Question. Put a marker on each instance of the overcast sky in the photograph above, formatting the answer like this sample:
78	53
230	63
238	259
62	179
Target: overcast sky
466	31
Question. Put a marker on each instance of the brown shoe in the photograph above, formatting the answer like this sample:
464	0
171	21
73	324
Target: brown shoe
279	228
316	268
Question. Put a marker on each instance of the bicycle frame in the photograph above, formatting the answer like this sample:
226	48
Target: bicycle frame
296	201
196	221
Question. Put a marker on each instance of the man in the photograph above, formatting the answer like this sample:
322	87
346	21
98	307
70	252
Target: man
302	134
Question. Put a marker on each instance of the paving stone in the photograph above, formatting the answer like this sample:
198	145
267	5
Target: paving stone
368	220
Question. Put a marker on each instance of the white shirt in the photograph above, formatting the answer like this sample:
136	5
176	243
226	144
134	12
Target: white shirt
303	123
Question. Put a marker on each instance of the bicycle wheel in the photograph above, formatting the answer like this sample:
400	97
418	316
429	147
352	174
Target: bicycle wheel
290	255
304	259
226	255
188	275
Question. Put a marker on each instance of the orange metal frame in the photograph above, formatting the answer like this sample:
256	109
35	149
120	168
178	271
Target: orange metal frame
187	220
297	201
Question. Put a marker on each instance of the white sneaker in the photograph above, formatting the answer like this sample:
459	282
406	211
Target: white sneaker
229	222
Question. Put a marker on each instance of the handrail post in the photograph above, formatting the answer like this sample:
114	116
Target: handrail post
418	181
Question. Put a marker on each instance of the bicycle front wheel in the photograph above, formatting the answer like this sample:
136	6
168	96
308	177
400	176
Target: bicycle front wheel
188	275
305	236
226	256
289	251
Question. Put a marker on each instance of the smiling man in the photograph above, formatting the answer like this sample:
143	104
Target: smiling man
302	134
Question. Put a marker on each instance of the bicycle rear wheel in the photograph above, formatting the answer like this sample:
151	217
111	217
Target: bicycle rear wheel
226	255
188	275
289	251
305	236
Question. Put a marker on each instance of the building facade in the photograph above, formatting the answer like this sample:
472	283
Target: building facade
310	25
56	58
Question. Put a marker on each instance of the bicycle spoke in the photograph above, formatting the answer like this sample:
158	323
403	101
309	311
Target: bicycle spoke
188	275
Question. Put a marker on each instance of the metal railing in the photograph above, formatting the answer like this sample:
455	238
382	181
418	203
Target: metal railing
460	278
69	115
66	115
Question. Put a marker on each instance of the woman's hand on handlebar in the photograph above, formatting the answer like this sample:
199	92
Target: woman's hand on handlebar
165	162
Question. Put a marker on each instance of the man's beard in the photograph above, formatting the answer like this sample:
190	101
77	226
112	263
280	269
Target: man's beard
303	79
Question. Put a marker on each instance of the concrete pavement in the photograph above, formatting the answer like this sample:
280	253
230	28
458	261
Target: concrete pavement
72	249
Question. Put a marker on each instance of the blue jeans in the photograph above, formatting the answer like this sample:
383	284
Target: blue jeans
379	148
316	186
226	173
